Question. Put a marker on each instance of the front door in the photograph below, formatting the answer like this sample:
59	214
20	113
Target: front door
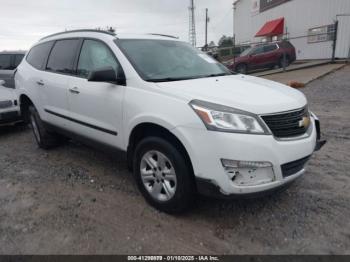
96	107
257	58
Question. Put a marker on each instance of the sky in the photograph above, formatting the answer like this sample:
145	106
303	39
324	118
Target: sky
24	22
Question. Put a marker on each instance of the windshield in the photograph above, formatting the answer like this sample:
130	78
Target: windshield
166	60
247	51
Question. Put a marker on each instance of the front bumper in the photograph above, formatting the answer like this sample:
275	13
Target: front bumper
287	159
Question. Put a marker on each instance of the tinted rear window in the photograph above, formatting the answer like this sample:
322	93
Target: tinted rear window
62	56
38	55
5	62
286	44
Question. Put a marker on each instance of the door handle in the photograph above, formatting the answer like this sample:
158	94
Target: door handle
40	83
74	90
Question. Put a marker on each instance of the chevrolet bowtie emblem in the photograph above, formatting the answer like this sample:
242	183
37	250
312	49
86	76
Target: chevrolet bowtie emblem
305	122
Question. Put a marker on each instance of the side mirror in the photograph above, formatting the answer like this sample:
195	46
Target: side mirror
2	82
108	75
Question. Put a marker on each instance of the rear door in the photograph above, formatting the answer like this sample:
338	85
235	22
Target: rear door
32	76
270	55
257	57
55	80
96	107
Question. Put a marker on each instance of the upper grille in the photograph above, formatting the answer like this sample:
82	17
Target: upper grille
285	125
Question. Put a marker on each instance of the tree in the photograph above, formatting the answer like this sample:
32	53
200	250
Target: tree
211	44
225	41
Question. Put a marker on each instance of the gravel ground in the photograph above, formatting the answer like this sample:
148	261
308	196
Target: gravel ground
76	200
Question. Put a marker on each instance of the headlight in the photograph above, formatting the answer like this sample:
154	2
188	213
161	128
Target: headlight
227	119
5	104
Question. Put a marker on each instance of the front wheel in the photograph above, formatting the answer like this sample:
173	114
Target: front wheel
163	176
241	68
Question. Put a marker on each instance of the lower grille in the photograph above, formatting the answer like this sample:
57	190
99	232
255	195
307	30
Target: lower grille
290	124
294	167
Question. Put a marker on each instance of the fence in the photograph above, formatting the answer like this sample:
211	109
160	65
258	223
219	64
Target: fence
317	43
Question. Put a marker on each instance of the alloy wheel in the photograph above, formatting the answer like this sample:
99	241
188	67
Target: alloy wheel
158	175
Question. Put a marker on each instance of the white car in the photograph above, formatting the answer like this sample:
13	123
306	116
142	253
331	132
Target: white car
187	124
9	107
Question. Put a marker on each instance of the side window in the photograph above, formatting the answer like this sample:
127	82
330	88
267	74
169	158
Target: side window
258	50
18	60
286	44
269	48
62	56
95	55
5	62
38	55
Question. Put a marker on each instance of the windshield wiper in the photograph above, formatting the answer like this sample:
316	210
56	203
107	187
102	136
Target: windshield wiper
172	79
169	79
215	75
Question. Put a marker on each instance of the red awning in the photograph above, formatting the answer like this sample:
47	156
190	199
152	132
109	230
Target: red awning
272	28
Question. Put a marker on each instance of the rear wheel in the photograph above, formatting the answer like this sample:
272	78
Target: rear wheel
163	176
43	137
284	62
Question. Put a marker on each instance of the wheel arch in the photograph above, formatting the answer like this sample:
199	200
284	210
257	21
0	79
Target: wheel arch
147	129
287	56
25	102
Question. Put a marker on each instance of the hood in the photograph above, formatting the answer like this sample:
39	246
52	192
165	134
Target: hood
252	94
7	93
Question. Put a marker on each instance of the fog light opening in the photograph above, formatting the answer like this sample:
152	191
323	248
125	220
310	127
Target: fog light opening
248	173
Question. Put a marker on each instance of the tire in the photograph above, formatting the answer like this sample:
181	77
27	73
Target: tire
43	137
241	68
287	62
166	180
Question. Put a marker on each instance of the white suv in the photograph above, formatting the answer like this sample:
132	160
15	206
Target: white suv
187	124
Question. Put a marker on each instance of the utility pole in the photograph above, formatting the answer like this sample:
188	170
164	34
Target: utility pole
192	24
334	46
233	23
206	28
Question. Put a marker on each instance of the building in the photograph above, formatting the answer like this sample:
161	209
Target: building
308	24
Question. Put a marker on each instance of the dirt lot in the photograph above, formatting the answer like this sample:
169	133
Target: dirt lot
76	200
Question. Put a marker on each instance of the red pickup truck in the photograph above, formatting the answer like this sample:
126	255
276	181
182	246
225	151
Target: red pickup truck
263	56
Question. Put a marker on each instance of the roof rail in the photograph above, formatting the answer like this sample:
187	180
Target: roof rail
80	30
170	36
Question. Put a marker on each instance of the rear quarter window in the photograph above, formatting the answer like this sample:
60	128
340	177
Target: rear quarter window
37	56
286	44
